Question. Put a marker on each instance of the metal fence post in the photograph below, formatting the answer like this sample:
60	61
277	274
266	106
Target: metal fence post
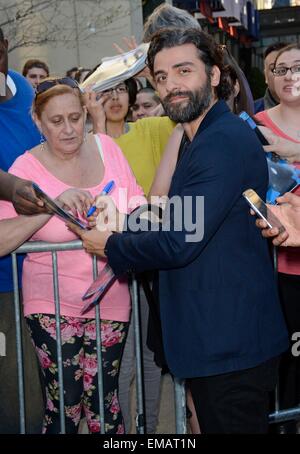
59	346
140	417
99	355
180	405
19	345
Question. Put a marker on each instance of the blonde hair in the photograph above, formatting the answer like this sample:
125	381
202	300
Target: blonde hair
41	99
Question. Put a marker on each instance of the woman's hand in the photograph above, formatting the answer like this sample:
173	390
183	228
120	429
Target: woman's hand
94	102
285	148
158	111
92	220
75	200
288	212
129	42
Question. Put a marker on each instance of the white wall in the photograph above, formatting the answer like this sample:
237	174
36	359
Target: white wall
99	24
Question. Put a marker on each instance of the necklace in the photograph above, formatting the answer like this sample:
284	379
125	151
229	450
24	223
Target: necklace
126	128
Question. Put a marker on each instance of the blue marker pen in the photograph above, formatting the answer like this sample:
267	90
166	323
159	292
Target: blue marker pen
106	190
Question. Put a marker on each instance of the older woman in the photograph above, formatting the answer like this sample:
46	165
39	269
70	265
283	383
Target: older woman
73	169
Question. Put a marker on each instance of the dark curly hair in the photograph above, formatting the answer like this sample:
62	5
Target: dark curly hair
209	52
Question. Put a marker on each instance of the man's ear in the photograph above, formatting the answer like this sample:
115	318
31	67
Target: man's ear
215	76
5	43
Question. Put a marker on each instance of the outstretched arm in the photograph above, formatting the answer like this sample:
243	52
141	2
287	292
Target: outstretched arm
288	212
21	193
164	173
285	148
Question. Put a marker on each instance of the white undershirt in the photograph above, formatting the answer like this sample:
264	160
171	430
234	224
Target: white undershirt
11	85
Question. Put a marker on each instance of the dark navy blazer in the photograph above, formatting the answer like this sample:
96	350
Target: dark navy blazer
219	305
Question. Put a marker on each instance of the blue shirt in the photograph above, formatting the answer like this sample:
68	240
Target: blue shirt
18	133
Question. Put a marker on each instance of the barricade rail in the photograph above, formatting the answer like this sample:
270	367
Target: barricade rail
179	386
179	389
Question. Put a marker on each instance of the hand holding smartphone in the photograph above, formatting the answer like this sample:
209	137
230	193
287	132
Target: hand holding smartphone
262	210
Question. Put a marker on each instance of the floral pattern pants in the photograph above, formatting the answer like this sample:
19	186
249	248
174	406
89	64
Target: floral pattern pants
79	357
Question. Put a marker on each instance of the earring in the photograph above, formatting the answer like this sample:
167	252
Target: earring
42	142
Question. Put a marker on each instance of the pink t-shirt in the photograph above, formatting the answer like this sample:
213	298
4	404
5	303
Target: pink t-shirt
288	257
74	267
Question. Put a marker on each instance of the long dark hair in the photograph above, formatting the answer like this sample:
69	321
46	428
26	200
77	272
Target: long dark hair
244	99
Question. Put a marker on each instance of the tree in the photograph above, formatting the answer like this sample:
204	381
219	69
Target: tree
58	22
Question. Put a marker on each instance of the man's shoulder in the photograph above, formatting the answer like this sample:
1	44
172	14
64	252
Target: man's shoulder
153	123
23	87
226	128
227	136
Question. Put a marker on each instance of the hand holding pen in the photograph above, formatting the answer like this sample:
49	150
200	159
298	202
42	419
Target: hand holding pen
106	190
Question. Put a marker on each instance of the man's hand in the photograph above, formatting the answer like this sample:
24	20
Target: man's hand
25	200
288	212
93	241
109	217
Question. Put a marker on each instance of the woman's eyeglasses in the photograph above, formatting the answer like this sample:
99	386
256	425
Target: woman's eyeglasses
280	71
119	89
49	83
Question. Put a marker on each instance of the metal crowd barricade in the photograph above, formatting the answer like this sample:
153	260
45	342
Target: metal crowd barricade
179	386
289	413
39	246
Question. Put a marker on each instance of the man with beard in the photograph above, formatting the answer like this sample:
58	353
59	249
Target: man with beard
222	325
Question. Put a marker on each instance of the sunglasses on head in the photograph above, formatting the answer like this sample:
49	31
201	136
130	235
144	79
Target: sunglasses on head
47	84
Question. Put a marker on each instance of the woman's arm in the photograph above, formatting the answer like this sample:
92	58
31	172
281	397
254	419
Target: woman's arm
285	148
164	173
16	230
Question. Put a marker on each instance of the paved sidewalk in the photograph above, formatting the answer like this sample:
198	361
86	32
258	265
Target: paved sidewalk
166	417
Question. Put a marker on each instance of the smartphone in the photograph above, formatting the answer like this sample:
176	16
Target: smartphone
262	210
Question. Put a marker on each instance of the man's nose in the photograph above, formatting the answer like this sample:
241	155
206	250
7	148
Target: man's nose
172	84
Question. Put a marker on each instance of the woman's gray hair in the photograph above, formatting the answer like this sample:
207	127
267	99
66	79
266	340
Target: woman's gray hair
167	16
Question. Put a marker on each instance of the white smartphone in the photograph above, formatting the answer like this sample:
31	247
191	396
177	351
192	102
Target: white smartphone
262	210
